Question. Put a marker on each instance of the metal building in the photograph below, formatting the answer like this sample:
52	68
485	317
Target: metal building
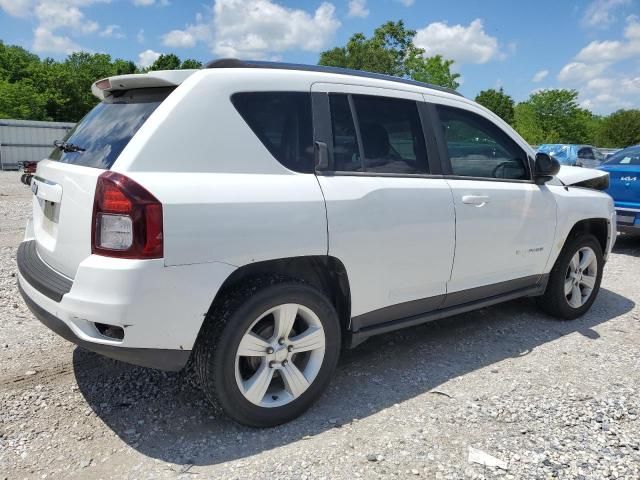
28	140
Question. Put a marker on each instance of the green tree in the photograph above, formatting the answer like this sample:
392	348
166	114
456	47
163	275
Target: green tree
390	50
525	122
498	102
384	52
190	63
16	63
553	116
46	89
22	101
166	62
123	67
70	84
620	129
434	70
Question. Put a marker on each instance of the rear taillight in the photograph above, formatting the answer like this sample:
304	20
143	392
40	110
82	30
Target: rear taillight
127	219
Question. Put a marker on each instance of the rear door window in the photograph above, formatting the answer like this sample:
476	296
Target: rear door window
104	132
389	132
282	122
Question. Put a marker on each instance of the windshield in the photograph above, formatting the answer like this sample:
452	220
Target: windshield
562	153
99	138
628	156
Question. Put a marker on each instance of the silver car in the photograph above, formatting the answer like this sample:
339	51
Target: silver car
589	157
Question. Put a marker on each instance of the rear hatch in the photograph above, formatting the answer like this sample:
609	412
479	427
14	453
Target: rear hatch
64	185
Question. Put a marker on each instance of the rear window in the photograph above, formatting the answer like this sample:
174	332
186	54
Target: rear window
628	156
107	129
282	122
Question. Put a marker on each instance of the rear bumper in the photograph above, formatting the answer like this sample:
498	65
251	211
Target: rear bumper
171	360
160	309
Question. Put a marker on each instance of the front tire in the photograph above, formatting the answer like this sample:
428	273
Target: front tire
575	279
269	351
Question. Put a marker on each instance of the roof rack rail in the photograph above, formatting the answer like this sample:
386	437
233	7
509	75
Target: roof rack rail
236	63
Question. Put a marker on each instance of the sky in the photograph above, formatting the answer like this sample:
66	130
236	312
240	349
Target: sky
592	46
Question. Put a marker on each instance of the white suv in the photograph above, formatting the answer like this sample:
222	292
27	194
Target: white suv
251	218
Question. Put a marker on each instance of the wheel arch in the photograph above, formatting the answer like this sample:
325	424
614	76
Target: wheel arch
598	227
326	273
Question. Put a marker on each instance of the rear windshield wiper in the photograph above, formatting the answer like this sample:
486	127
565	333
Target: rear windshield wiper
67	147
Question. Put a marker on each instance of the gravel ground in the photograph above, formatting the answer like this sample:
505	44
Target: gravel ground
548	399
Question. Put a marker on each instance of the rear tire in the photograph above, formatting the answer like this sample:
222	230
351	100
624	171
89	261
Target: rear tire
268	351
575	279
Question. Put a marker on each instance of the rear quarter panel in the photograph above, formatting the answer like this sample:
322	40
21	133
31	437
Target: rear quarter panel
238	218
225	197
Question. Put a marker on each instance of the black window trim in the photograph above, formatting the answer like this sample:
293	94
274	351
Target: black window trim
447	169
326	135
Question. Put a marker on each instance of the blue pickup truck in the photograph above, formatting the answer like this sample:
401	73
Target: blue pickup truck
624	187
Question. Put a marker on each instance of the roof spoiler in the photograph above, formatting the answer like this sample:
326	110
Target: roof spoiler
162	78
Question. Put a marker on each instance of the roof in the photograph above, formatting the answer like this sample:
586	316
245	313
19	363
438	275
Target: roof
236	63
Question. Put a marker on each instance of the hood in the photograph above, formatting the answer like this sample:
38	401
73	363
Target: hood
582	177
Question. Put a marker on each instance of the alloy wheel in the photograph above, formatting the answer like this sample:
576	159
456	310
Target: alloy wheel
580	278
280	355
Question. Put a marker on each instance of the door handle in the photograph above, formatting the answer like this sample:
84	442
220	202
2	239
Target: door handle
476	200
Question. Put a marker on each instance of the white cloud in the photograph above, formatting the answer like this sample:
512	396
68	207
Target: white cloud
614	50
602	87
54	15
358	8
146	58
579	72
406	3
469	44
178	39
44	40
259	28
539	76
604	95
148	3
192	34
112	31
17	8
600	13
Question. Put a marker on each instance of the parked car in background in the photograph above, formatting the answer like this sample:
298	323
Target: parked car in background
574	155
624	186
607	152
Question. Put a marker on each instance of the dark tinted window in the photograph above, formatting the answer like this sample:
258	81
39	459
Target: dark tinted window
107	129
282	122
346	156
391	134
628	156
478	148
598	155
586	153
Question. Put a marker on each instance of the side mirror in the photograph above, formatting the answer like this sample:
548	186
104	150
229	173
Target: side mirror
321	155
545	168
